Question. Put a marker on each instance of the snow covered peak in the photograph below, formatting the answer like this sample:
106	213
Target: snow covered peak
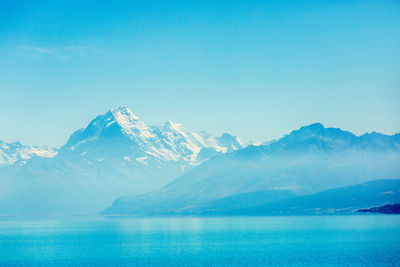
174	125
124	114
129	123
136	140
13	152
117	123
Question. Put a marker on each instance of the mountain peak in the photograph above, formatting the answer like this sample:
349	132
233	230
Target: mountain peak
314	126
309	130
124	113
174	125
315	136
170	141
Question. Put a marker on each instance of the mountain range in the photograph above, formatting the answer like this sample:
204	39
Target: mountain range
120	165
11	153
306	161
115	154
341	200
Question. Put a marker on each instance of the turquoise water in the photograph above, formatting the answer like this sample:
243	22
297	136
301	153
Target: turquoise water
258	241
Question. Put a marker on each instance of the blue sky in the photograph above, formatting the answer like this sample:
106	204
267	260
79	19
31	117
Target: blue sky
257	69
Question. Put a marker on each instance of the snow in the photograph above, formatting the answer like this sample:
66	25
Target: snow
13	152
142	160
168	142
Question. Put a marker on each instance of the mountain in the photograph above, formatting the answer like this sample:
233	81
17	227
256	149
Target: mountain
240	201
115	154
338	200
121	133
385	209
11	153
306	161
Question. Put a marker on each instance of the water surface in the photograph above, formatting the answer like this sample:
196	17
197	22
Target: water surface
258	241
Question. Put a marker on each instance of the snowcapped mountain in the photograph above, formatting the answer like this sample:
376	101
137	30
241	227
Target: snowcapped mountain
120	133
11	153
308	160
116	154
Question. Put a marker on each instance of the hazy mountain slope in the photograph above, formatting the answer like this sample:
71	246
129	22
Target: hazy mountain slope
115	154
239	201
308	160
339	200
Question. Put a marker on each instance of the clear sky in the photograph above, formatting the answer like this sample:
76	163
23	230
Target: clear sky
256	69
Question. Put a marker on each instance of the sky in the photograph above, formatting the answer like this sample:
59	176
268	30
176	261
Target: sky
256	69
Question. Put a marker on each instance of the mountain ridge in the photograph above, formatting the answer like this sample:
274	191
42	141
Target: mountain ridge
115	154
169	141
308	160
169	167
16	152
337	200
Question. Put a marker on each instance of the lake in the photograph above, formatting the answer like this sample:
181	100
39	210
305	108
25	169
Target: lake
191	241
